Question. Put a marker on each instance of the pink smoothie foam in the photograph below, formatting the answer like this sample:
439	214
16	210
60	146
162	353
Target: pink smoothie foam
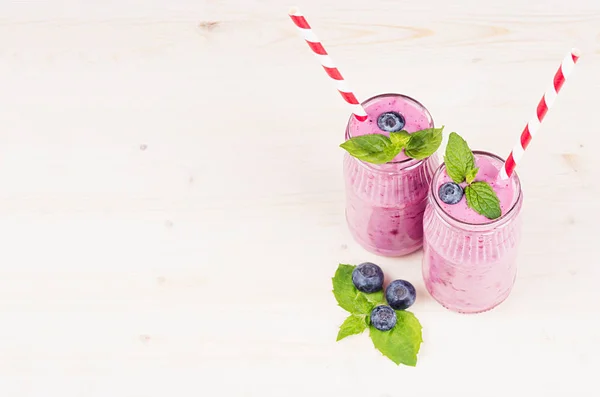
469	262
385	203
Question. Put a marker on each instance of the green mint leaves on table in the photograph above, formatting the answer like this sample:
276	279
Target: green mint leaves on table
348	297
401	344
379	149
354	324
460	166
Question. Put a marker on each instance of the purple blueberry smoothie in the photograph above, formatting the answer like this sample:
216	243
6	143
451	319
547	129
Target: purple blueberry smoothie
385	203
469	262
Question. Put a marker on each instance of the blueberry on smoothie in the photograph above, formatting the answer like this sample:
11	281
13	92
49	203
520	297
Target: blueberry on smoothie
383	318
450	193
368	277
400	294
390	122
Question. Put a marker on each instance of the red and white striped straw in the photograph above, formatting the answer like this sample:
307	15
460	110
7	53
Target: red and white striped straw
565	69
332	71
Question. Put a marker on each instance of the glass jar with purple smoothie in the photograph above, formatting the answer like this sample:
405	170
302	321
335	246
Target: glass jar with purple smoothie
385	202
469	262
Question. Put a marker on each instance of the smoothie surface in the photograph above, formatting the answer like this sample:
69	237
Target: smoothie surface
416	117
489	167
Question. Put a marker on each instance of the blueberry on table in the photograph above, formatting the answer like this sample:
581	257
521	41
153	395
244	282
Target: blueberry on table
367	277
450	193
390	122
400	294
383	318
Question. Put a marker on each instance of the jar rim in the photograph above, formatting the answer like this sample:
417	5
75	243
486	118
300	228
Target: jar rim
493	222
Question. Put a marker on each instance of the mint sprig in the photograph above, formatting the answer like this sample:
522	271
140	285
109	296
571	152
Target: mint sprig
424	143
400	138
374	148
482	198
458	158
348	297
401	344
460	166
471	175
379	149
353	325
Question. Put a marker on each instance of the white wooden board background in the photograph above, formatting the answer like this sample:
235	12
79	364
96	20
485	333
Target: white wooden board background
171	196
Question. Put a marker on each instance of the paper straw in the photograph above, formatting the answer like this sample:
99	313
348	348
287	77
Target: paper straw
332	71
565	69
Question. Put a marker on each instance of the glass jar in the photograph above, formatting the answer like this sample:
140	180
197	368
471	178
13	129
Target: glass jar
470	268
385	203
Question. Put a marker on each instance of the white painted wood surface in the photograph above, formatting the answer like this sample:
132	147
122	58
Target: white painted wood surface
171	196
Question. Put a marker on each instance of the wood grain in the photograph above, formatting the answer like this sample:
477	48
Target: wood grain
171	202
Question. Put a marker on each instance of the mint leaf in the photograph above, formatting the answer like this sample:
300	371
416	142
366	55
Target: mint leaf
348	297
400	138
424	143
372	148
482	198
362	305
375	298
401	344
344	291
471	174
354	324
459	158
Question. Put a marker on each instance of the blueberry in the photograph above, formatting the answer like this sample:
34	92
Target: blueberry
367	277
390	122
383	318
450	193
400	294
